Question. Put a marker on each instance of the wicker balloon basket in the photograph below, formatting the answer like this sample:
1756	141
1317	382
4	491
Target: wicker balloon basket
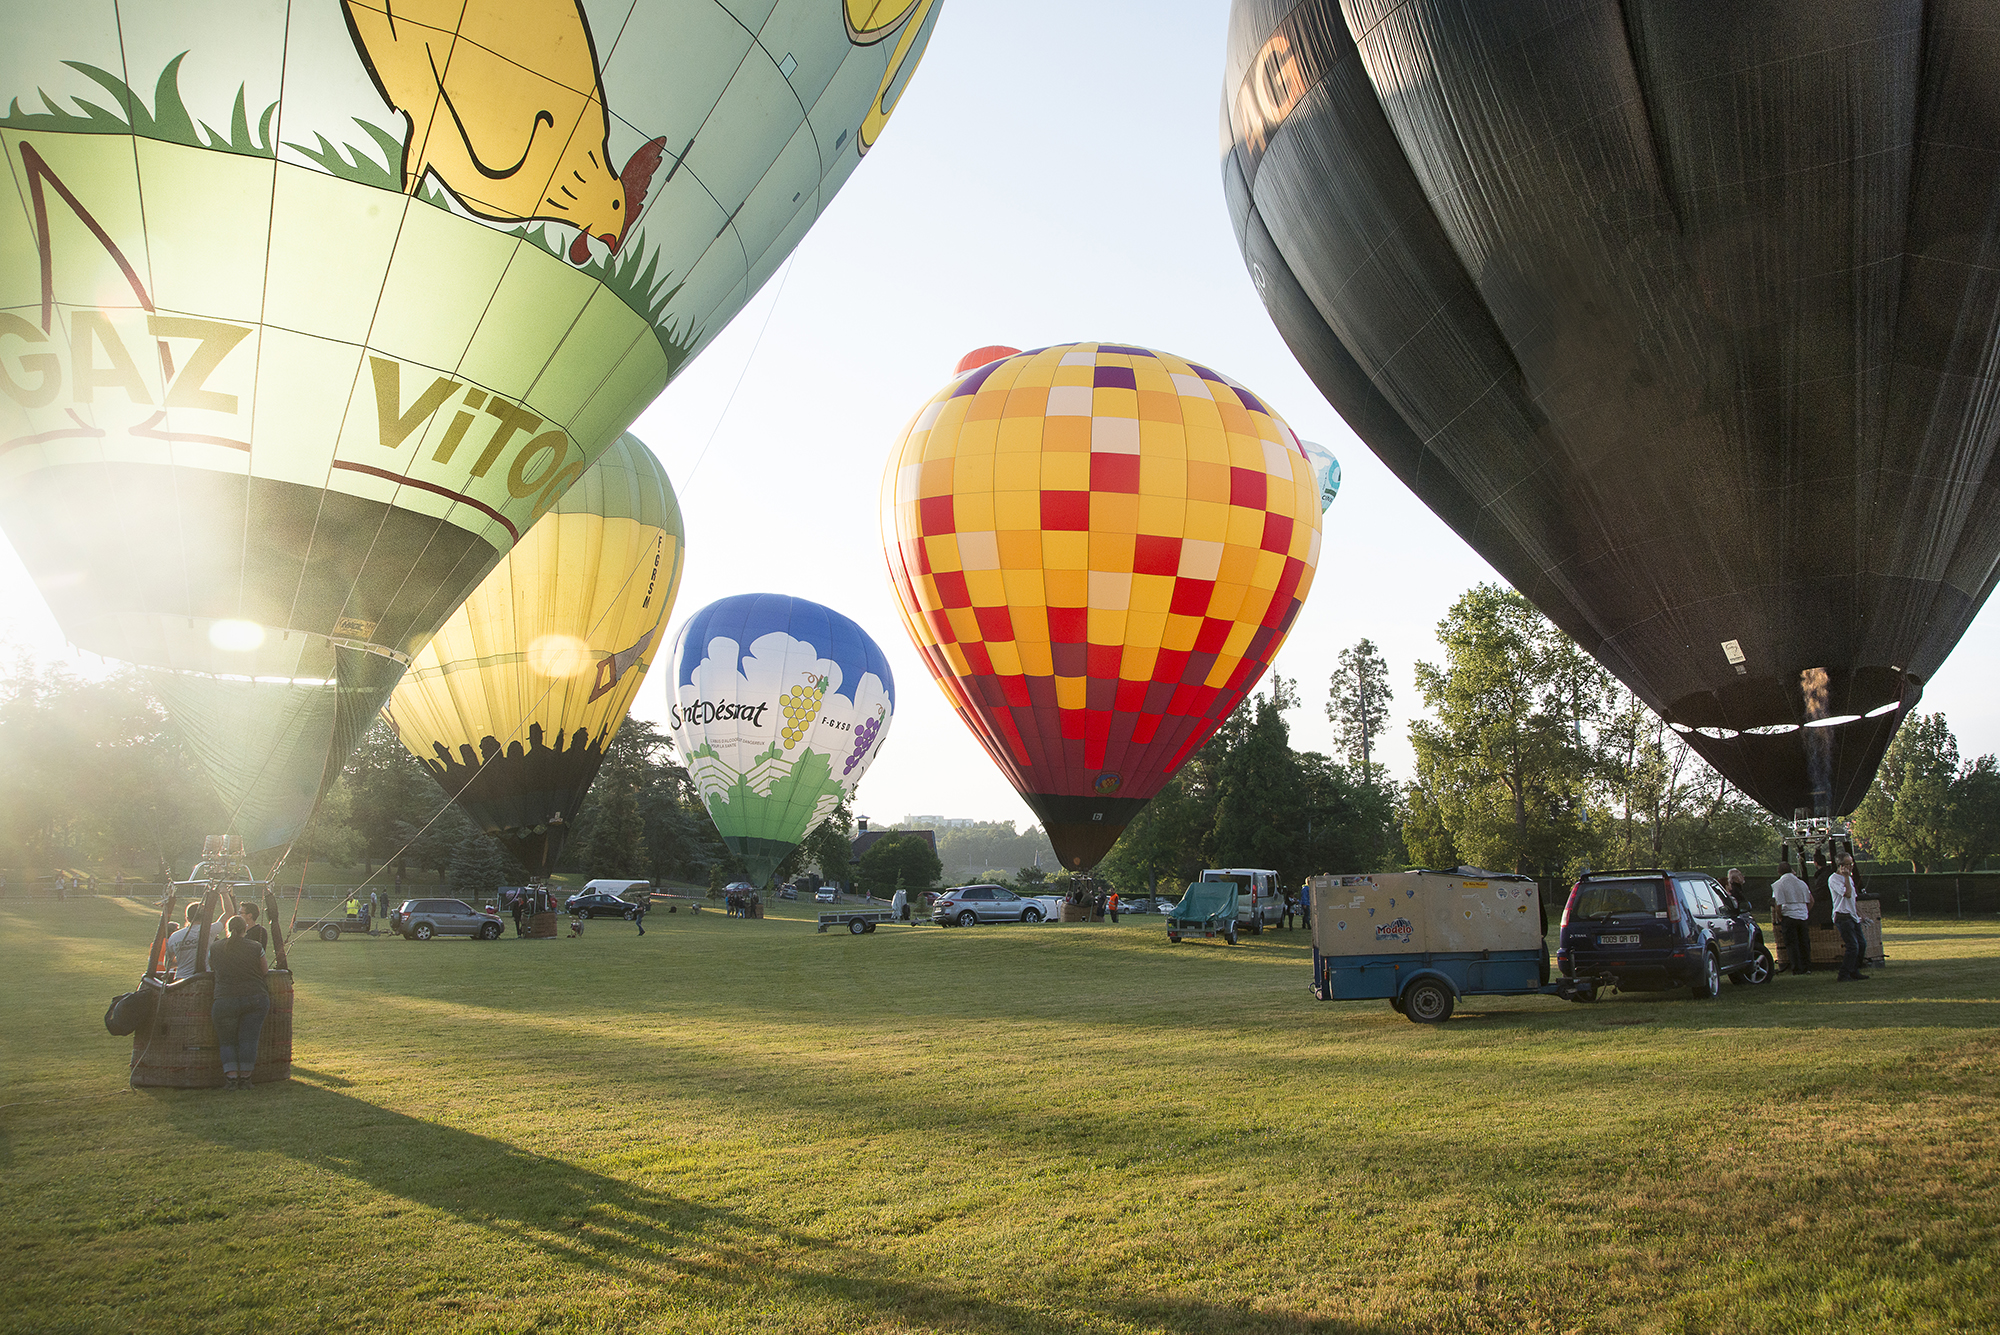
178	1049
542	926
1825	943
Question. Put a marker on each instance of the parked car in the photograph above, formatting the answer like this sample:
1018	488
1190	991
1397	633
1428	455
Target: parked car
629	890
969	904
823	896
597	904
422	919
788	891
1653	930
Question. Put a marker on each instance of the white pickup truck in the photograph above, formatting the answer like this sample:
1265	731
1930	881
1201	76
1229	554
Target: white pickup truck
1259	903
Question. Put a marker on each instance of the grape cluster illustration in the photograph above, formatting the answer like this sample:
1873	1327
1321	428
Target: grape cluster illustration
864	737
801	707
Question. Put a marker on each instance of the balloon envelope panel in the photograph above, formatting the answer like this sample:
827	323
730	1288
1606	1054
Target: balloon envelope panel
1326	471
289	357
1680	314
511	704
1098	548
779	706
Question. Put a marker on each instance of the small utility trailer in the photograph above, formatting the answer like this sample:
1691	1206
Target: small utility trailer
1422	939
857	920
330	927
1207	909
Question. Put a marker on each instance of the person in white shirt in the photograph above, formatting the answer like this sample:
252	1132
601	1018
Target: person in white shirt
183	947
899	905
1792	898
1847	920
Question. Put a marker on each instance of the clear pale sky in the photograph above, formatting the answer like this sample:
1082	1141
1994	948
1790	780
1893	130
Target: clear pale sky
1051	176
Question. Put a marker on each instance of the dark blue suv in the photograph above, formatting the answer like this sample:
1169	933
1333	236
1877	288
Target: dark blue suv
1655	930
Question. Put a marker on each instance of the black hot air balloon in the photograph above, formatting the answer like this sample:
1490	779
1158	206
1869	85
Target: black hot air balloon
1682	314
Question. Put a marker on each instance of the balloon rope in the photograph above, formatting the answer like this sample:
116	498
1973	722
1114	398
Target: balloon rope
784	278
299	898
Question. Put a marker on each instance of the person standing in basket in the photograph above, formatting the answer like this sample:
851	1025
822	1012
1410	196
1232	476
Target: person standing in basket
1847	920
184	946
242	1000
256	932
1792	898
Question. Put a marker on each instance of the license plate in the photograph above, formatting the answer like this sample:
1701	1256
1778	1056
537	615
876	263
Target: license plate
1621	939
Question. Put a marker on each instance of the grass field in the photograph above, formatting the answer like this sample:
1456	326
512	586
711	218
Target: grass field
744	1126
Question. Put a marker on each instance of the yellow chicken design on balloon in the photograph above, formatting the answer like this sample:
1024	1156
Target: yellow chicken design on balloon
507	111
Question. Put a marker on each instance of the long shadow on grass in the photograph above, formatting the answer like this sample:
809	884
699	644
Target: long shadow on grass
592	1222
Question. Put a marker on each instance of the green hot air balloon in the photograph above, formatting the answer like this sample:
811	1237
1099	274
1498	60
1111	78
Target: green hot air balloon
779	706
308	312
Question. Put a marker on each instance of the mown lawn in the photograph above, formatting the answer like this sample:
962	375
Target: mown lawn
745	1126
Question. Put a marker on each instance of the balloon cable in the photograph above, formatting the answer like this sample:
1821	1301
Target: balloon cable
688	485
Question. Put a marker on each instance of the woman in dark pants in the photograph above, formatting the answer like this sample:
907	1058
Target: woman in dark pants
242	1000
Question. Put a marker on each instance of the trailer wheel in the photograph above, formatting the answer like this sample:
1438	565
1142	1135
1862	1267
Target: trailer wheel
871	926
1427	1001
1230	935
856	926
329	933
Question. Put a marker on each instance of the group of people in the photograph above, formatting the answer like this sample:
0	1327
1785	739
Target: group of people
1793	899
744	904
242	992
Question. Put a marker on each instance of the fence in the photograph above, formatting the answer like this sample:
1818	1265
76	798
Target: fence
1961	895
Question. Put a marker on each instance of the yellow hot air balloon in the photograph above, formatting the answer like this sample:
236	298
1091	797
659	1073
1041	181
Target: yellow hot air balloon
1098	549
511	705
308	312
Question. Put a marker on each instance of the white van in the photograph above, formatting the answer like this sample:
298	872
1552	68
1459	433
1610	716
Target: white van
617	888
1259	903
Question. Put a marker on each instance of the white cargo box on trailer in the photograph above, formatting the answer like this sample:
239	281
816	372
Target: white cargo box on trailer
1424	913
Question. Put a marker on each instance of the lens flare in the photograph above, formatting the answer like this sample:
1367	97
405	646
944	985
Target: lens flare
236	637
560	656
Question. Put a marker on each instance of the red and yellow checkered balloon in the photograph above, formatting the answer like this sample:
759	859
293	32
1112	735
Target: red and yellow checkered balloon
1098	549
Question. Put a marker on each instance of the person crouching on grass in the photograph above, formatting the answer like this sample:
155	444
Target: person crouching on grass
242	1000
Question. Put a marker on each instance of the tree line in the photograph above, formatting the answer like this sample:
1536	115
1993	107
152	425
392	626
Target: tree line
1530	757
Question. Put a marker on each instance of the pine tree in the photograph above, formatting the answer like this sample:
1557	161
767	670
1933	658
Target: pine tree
1358	706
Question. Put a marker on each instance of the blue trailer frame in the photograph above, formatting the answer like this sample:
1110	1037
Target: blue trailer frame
1399	979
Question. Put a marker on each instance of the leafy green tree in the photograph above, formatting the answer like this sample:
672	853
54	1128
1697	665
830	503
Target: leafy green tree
94	775
1427	840
1909	813
1346	822
827	847
1976	797
1358	705
897	859
643	817
1506	756
479	867
1260	813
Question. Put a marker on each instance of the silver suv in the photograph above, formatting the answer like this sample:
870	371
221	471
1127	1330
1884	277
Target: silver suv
422	919
969	904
